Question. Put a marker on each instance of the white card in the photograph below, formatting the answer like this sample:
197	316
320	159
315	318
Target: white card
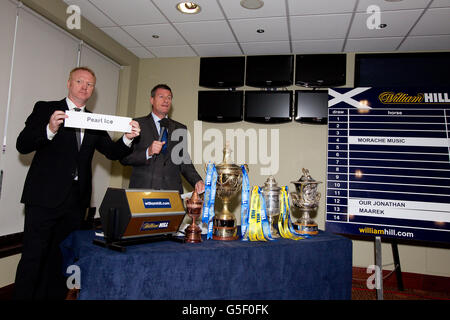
97	121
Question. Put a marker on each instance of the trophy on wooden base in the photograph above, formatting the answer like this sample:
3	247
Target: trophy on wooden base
307	199
193	233
229	182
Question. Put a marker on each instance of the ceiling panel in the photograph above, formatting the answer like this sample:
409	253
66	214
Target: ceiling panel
155	35
399	23
130	12
206	32
210	10
271	29
426	43
271	8
121	36
392	5
307	7
320	27
440	3
225	28
434	21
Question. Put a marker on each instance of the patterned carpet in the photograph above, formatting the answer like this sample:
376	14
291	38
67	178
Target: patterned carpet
361	292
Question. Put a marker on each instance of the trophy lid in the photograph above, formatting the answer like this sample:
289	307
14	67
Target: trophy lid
227	162
271	185
195	196
306	178
194	199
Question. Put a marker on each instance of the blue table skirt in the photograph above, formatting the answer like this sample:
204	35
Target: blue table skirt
315	268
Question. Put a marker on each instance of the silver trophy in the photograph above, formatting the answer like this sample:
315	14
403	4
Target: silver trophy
271	193
307	199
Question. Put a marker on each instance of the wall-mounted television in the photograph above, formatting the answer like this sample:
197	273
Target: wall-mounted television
268	106
220	105
311	106
269	71
320	70
222	72
402	69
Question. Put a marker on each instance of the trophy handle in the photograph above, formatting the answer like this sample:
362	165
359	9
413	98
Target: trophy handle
295	198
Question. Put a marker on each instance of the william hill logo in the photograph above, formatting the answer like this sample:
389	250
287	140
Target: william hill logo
404	98
148	226
156	203
400	97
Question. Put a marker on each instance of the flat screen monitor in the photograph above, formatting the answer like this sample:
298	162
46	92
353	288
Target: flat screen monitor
311	106
320	70
268	106
222	72
402	69
220	106
269	71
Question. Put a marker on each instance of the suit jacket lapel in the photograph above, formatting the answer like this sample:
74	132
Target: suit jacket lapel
169	132
154	135
62	105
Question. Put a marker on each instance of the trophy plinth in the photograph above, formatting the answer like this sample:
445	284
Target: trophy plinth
271	193
305	225
229	182
307	199
193	233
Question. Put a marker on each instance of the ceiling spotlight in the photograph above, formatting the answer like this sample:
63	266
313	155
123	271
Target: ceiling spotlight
260	30
155	36
382	26
252	4
188	7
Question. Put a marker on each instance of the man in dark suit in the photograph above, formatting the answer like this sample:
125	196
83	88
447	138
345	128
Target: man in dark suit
158	163
57	189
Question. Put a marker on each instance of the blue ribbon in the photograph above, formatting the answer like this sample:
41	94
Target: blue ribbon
245	203
209	198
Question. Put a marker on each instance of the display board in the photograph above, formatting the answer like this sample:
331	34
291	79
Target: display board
388	165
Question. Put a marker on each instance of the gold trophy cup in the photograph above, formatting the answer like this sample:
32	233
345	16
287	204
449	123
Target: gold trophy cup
229	182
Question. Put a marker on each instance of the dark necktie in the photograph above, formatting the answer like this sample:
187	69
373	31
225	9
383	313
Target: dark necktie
78	134
78	130
164	138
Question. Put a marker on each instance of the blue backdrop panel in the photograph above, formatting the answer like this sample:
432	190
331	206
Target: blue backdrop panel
388	162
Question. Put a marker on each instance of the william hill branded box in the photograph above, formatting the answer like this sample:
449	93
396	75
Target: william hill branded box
133	213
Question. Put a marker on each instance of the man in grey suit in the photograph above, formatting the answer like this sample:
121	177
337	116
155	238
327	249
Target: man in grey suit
159	159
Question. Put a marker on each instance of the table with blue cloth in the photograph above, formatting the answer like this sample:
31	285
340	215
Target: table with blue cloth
316	268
